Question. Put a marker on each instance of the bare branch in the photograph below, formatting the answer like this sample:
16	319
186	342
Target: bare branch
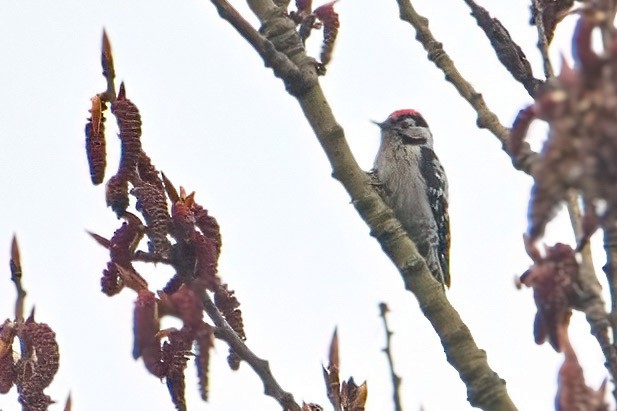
610	246
525	158
260	366
542	38
508	52
396	380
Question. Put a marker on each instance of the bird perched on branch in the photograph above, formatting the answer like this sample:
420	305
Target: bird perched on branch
414	185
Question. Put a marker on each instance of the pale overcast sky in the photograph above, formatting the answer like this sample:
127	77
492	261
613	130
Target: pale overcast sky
294	249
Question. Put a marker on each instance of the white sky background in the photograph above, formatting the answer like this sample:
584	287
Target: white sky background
296	252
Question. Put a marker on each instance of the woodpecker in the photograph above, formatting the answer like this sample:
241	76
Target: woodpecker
413	183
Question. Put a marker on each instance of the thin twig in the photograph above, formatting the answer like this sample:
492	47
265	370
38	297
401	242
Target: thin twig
15	264
260	366
396	380
591	295
610	246
542	40
486	118
576	220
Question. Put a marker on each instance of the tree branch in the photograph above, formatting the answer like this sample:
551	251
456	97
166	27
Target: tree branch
396	380
610	246
526	158
278	43
508	52
542	40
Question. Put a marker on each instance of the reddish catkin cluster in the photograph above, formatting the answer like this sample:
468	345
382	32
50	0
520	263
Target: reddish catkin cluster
323	16
556	282
555	279
152	204
129	124
183	236
36	366
580	152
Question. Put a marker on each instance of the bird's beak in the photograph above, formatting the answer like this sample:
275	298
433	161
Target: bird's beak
380	125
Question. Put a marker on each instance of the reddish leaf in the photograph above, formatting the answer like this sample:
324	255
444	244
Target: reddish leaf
145	328
95	140
204	342
187	306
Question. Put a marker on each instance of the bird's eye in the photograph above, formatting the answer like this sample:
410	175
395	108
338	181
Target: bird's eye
408	123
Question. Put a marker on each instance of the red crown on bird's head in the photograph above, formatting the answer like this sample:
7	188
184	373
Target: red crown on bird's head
399	114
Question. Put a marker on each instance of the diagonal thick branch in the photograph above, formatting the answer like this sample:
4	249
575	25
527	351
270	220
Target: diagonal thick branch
485	389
